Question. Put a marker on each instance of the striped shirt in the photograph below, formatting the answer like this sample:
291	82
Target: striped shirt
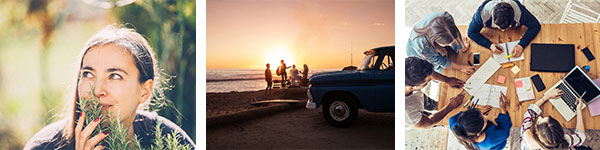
574	139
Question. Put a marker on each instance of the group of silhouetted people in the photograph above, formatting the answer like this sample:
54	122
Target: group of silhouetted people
294	79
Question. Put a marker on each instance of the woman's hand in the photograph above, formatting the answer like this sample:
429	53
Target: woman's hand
504	103
467	69
517	51
82	140
553	94
494	47
466	44
579	105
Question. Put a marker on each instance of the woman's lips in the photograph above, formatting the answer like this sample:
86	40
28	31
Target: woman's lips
106	106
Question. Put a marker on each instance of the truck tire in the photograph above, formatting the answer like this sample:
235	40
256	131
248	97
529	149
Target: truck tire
340	110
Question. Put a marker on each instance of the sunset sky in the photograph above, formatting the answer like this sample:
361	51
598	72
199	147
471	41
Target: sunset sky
320	33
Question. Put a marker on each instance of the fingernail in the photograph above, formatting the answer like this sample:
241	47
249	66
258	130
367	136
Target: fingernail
97	119
106	132
80	114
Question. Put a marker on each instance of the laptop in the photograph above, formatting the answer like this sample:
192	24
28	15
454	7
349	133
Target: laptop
552	57
573	85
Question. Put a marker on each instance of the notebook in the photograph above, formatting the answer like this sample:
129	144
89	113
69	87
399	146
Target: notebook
594	107
508	49
524	89
489	94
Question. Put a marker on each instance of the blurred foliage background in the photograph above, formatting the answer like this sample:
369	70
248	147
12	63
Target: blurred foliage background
41	40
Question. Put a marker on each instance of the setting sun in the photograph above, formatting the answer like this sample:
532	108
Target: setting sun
275	55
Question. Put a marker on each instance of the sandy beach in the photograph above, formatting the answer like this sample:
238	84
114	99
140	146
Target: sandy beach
232	102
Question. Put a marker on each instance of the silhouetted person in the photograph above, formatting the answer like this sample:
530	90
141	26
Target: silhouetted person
269	79
295	76
305	75
283	73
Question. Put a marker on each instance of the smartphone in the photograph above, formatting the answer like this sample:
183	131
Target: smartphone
476	59
588	54
537	81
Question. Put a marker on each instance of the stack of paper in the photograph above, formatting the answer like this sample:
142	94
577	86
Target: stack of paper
524	89
508	49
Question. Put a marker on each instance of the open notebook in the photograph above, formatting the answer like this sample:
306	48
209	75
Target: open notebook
508	48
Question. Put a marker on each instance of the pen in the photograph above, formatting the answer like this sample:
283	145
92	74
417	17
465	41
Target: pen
581	96
499	48
509	56
468	101
501	97
476	102
469	63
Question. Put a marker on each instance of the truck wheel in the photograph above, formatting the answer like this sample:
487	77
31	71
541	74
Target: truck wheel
340	110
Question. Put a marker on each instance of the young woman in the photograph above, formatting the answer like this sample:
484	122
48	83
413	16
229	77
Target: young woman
120	65
474	130
434	37
539	132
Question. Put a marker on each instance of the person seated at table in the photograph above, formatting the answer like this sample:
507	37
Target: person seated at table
418	73
503	14
434	37
539	132
474	130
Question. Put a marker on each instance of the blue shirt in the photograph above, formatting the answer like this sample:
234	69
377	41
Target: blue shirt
421	46
526	18
495	135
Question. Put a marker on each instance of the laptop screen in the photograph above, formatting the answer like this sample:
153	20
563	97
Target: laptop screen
581	83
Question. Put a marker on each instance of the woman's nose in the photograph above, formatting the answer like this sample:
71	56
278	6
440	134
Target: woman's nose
100	89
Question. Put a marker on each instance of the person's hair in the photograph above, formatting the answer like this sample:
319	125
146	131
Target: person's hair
417	70
144	60
470	121
503	15
440	30
268	65
549	134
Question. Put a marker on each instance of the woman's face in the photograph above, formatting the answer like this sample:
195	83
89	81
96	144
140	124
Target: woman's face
111	70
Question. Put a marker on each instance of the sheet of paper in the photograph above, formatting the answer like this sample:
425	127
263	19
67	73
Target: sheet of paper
524	89
489	94
508	48
481	76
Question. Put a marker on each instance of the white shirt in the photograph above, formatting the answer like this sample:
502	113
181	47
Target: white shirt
414	108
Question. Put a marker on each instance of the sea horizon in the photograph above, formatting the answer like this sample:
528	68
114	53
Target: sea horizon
226	80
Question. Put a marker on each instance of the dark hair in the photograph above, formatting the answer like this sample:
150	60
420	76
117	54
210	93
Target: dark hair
470	121
417	70
503	15
440	30
549	134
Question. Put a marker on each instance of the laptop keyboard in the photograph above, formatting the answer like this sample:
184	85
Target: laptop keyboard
568	97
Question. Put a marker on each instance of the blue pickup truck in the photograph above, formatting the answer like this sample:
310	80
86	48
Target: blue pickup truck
342	93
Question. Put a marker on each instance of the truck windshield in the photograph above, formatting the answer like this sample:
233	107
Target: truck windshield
368	62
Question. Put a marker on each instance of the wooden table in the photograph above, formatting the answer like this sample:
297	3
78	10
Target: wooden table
582	35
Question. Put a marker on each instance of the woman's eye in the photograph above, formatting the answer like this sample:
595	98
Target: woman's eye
115	76
87	75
